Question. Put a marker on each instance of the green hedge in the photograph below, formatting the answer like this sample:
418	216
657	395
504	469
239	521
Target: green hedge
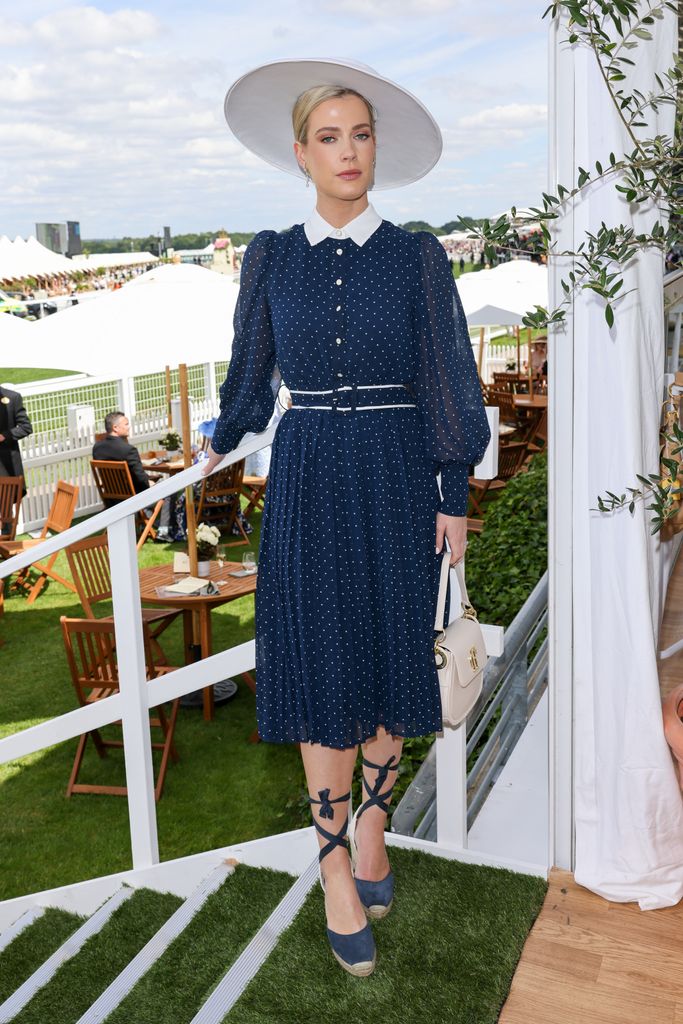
506	561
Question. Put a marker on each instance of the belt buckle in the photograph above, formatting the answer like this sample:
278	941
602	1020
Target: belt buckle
353	398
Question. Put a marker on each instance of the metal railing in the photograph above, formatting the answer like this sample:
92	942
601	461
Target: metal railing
513	685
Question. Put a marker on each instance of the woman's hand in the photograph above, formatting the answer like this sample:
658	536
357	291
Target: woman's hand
455	530
213	460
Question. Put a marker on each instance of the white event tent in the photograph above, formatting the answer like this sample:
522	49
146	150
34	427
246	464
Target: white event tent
111	260
174	314
502	295
30	259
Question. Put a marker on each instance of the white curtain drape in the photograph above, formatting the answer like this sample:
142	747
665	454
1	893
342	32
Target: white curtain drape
627	803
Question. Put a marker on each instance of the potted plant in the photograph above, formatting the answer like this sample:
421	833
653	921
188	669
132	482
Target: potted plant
171	442
207	538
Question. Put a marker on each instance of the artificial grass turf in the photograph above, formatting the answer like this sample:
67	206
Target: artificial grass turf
223	790
446	953
80	980
33	946
181	981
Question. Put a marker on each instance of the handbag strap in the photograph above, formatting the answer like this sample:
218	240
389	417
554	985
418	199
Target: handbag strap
443	589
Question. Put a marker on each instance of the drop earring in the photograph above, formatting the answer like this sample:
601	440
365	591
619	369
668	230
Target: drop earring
308	177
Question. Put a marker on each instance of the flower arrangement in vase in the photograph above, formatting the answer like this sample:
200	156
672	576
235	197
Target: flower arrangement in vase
171	441
207	538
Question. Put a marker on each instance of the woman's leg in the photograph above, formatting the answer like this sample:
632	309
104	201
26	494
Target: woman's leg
330	769
373	863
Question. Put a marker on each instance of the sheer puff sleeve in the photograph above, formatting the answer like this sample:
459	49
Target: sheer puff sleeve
456	430
246	397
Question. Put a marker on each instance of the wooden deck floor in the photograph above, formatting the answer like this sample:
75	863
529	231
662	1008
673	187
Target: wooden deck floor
590	961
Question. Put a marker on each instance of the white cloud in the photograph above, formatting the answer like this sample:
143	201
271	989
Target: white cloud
508	116
393	8
75	27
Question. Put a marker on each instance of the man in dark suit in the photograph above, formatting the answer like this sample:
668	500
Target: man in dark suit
14	424
115	448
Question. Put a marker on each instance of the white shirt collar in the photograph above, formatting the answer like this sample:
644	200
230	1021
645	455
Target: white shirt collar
359	229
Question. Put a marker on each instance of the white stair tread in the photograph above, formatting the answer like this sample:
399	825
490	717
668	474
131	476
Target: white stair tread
27	918
18	1000
114	994
254	955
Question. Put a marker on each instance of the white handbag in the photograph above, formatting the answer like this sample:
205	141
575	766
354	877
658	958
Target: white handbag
460	652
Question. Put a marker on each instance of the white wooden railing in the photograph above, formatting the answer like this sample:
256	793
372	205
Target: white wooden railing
136	694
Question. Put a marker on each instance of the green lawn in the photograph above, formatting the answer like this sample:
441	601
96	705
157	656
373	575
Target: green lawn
8	375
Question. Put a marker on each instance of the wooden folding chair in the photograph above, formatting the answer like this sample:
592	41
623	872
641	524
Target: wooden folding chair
254	489
511	424
91	654
59	519
90	568
508	380
219	500
510	459
114	482
11	488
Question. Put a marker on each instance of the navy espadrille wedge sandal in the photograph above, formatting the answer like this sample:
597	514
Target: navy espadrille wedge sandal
356	952
376	897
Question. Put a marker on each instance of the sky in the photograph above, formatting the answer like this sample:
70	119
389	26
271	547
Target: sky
113	116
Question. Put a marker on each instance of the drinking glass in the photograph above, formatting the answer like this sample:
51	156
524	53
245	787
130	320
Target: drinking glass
249	561
220	555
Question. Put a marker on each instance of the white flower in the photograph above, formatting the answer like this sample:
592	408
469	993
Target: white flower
208	534
4	400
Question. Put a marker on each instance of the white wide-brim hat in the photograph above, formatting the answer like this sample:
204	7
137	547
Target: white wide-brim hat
258	109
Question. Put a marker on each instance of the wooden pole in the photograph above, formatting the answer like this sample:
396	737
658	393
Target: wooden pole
531	371
481	352
169	403
519	357
187	461
197	633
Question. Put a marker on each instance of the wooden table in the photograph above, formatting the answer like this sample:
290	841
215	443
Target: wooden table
530	401
234	586
535	406
167	466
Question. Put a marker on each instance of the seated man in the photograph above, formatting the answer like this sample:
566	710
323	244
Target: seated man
115	447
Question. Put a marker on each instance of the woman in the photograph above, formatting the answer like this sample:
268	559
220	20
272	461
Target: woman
366	327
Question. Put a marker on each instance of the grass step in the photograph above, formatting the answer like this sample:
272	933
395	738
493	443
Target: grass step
33	946
80	980
446	952
176	986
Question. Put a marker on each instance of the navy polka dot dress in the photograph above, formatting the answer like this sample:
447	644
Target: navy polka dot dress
348	574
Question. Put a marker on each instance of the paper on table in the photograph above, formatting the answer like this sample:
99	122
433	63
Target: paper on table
192	585
181	562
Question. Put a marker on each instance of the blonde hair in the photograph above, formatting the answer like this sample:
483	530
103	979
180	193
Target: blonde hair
312	98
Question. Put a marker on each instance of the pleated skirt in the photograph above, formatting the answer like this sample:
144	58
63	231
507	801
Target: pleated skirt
348	580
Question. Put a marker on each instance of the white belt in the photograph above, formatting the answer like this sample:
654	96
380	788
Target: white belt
353	407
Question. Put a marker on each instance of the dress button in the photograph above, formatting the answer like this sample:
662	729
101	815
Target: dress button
339	341
340	374
338	308
339	252
338	233
338	281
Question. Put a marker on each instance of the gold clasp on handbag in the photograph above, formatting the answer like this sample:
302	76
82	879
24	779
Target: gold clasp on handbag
472	658
468	612
440	653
